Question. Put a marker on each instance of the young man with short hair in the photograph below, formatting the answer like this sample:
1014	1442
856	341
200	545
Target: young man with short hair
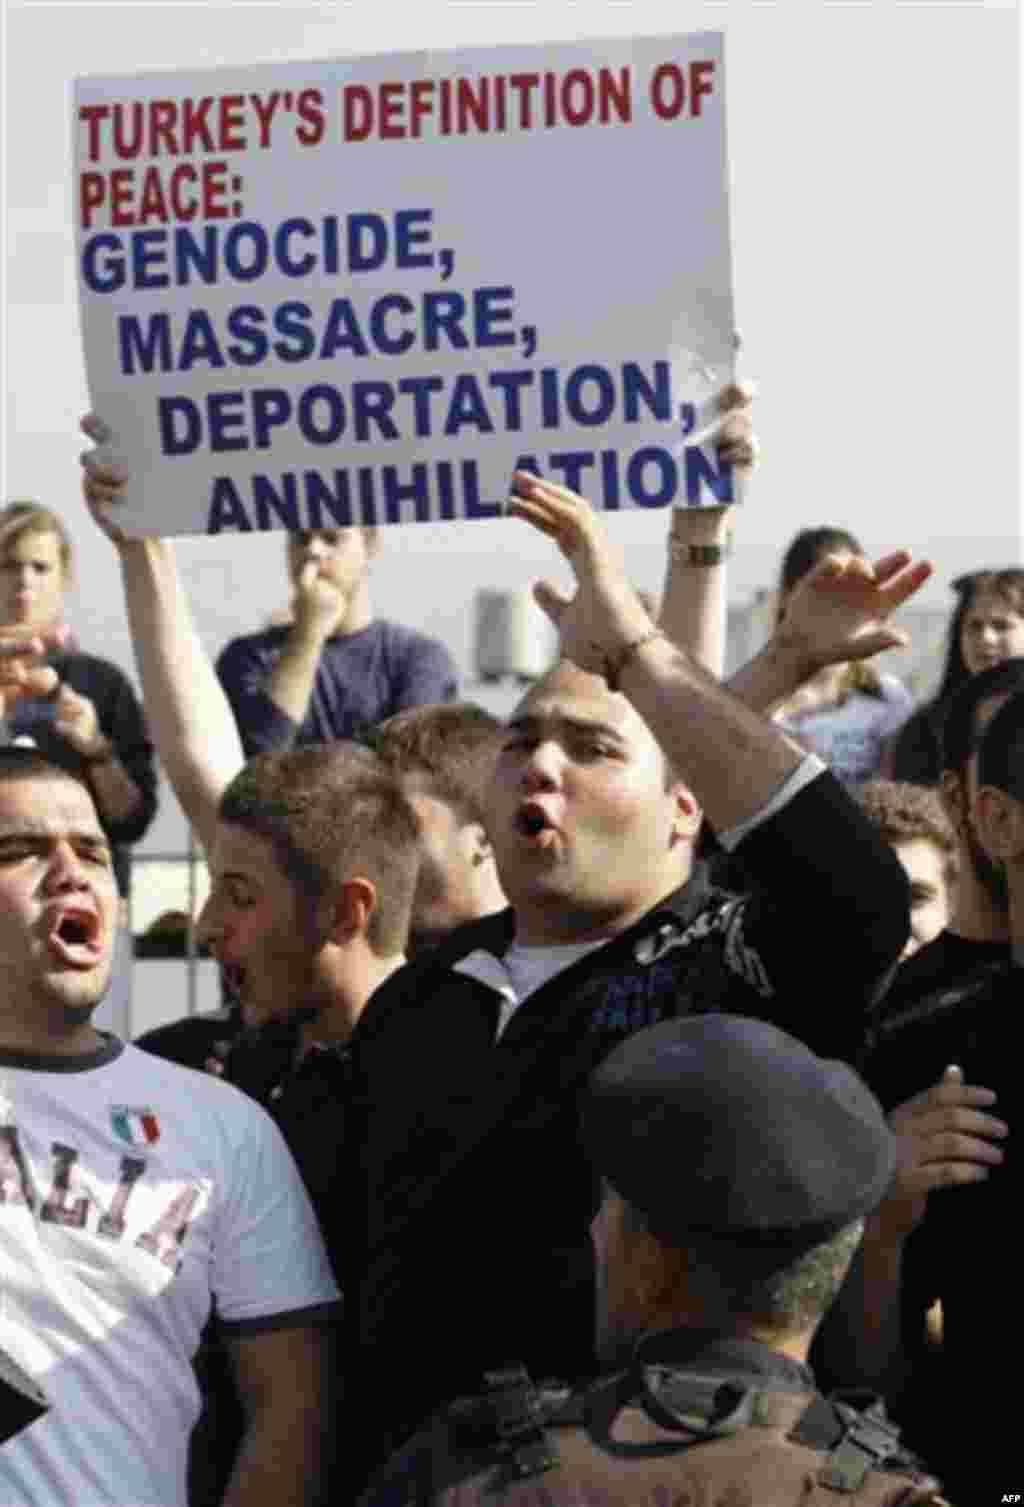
335	670
976	938
977	932
943	1236
912	821
444	757
312	875
134	1193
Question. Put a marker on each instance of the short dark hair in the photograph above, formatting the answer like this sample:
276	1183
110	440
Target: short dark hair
730	1285
451	748
959	735
908	813
811	545
331	813
1001	758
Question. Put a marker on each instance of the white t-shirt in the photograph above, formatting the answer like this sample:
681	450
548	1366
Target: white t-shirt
131	1191
521	971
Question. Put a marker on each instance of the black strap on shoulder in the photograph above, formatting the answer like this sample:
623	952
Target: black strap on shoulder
507	1420
702	1407
501	1430
852	1428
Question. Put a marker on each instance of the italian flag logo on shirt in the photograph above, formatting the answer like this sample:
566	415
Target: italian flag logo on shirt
134	1125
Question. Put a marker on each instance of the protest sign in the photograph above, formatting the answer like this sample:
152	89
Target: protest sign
366	290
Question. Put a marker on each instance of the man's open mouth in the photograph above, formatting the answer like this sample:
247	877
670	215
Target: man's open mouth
76	937
533	822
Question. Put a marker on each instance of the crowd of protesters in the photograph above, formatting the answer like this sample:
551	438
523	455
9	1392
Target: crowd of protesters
674	1000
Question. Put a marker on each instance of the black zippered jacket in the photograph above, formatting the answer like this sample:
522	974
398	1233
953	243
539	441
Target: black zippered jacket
466	1191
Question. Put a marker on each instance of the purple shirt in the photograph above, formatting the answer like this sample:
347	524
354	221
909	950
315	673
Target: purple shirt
361	679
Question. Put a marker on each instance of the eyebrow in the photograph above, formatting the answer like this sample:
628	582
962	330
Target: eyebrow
33	833
574	724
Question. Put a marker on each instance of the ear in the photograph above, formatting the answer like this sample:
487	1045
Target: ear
1000	823
371	540
482	851
657	1280
634	1257
688	815
347	911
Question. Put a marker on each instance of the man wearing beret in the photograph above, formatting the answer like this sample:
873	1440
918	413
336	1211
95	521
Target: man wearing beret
737	1168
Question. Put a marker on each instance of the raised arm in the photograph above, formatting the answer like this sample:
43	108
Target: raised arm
187	712
693	605
734	759
824	873
837	613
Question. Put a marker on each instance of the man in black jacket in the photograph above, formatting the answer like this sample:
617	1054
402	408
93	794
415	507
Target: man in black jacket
946	1240
473	1198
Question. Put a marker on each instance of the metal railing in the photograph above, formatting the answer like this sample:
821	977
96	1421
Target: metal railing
192	861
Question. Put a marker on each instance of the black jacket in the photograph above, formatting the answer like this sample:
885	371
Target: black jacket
469	1194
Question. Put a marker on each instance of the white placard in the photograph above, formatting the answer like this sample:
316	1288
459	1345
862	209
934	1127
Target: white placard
367	290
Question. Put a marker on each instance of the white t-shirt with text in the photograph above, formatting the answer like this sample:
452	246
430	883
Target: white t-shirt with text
132	1191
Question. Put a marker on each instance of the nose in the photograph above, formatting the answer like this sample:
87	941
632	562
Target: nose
543	767
208	926
316	548
65	871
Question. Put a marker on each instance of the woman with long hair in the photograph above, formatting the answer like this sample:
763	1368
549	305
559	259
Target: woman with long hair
986	629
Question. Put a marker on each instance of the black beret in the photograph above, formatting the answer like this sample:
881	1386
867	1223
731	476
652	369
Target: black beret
727	1128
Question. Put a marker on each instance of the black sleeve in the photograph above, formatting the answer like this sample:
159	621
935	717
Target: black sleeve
827	921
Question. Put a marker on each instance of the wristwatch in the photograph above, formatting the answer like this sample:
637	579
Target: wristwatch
700	554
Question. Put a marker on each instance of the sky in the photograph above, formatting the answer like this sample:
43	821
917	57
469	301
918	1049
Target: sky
875	185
